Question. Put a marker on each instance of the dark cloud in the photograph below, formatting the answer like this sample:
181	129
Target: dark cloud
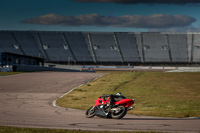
134	21
143	1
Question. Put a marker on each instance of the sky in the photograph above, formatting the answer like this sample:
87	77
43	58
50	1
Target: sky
101	15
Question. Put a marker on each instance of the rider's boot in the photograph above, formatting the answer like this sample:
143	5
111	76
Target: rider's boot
111	106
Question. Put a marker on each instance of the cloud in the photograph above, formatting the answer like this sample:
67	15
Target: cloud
143	1
134	21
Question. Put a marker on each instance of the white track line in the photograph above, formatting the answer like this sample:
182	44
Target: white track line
54	102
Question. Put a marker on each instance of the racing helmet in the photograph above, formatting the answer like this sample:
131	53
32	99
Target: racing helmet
119	94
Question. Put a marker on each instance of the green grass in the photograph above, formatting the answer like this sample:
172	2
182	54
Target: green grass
155	93
9	73
5	129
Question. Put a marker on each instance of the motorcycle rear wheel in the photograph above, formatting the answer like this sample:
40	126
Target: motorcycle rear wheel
91	112
119	114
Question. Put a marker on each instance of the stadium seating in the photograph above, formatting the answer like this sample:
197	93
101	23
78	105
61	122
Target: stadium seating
105	47
128	46
8	43
79	47
179	49
28	44
155	47
196	48
56	47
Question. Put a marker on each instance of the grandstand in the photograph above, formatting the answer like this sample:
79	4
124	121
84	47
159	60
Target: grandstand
155	47
116	48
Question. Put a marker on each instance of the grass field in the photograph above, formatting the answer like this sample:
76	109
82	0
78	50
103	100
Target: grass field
155	93
4	129
8	73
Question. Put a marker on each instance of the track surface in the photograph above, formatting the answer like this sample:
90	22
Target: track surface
26	101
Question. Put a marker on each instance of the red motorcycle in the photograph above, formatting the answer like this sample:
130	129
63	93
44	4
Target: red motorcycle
102	108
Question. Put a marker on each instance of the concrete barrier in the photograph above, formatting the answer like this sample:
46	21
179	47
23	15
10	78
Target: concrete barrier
28	68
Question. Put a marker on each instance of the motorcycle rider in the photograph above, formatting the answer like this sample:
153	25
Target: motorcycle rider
113	98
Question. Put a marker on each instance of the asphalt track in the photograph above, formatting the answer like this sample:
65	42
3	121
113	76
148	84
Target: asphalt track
26	101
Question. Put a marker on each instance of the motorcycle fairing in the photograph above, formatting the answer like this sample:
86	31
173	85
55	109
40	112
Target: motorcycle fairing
125	102
101	101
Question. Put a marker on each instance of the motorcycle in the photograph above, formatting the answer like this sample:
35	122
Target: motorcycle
119	109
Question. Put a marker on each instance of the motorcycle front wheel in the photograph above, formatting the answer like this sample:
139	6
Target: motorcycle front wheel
91	112
119	112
